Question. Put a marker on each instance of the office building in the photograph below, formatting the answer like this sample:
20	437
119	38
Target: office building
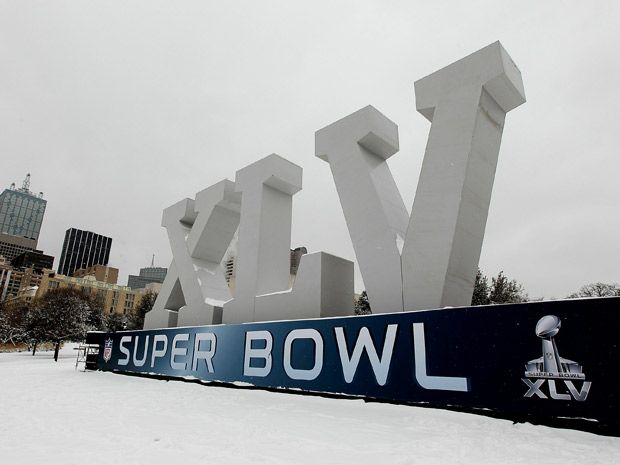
83	249
6	270
21	216
105	274
23	298
115	298
21	212
20	278
151	274
230	264
34	259
296	259
14	280
12	246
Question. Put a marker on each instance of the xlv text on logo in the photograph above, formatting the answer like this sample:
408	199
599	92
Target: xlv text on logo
551	367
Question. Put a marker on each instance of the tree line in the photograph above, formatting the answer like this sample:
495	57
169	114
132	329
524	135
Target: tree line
67	314
63	315
501	289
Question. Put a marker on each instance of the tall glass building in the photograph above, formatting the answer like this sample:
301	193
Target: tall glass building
82	249
151	274
21	211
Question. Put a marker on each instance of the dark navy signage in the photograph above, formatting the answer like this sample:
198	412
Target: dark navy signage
547	359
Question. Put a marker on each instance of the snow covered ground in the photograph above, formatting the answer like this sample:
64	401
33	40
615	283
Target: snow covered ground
52	414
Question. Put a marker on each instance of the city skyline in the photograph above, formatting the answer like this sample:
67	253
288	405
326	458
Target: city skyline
109	134
21	215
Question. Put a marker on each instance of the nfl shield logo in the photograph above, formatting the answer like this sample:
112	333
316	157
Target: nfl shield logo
107	351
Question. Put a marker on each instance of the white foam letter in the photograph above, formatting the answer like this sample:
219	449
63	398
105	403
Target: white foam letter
428	258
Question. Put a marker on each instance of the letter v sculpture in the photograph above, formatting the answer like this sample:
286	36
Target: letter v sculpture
428	260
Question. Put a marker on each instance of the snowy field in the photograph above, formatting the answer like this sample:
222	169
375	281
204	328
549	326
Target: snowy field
52	414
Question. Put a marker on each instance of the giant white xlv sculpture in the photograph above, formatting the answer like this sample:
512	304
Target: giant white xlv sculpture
428	260
259	203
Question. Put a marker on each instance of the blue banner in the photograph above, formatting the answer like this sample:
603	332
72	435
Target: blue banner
541	360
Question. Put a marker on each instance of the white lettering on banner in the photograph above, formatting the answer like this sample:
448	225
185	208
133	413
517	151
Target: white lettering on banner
579	396
204	348
142	361
380	366
178	351
306	374
534	388
251	353
554	393
439	383
206	355
124	350
159	353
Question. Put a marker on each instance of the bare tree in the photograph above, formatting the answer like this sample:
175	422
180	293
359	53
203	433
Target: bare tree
597	290
13	324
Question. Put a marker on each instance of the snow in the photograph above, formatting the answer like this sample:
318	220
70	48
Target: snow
52	414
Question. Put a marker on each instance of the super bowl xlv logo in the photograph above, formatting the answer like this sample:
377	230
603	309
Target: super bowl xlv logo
551	368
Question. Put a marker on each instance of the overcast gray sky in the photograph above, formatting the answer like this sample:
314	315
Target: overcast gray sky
121	108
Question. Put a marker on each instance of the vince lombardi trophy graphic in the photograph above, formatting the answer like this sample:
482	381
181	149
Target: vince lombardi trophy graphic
551	365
